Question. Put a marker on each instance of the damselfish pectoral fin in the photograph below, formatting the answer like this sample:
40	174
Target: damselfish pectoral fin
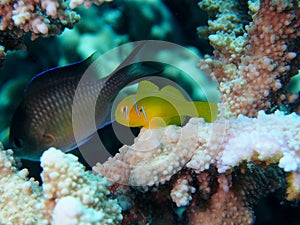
206	110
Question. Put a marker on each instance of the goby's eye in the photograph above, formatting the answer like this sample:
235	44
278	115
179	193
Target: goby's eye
125	111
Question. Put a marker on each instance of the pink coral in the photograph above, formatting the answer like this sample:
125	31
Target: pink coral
87	3
182	191
253	69
39	17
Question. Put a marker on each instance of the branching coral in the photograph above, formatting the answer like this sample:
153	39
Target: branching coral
252	67
182	191
39	17
225	207
68	193
231	196
64	176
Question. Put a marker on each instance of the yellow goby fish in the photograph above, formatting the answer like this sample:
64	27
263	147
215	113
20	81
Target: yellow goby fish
154	108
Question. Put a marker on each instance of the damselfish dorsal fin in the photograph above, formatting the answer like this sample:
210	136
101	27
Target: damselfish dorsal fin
88	68
146	87
173	91
56	75
130	58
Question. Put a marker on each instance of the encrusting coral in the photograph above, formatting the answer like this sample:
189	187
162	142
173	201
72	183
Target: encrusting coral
68	195
226	143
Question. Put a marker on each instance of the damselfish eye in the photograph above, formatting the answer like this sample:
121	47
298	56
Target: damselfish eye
18	142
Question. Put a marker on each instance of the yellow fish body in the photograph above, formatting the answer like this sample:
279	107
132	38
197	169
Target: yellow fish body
154	108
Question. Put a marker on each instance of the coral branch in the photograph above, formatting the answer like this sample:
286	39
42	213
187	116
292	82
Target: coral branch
39	17
253	67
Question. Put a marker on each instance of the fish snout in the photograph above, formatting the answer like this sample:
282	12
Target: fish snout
23	148
17	145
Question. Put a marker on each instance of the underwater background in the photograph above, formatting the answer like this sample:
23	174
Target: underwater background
102	28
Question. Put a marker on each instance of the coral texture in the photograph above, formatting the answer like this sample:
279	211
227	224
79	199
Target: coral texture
19	196
64	176
182	191
228	198
41	17
221	212
251	66
38	17
68	193
87	3
153	159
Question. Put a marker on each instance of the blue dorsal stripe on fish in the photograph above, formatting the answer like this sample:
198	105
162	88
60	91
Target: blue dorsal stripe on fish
57	74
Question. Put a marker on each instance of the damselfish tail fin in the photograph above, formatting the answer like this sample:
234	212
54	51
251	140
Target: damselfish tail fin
206	110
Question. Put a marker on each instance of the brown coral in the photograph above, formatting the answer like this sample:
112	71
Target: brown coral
232	196
224	208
